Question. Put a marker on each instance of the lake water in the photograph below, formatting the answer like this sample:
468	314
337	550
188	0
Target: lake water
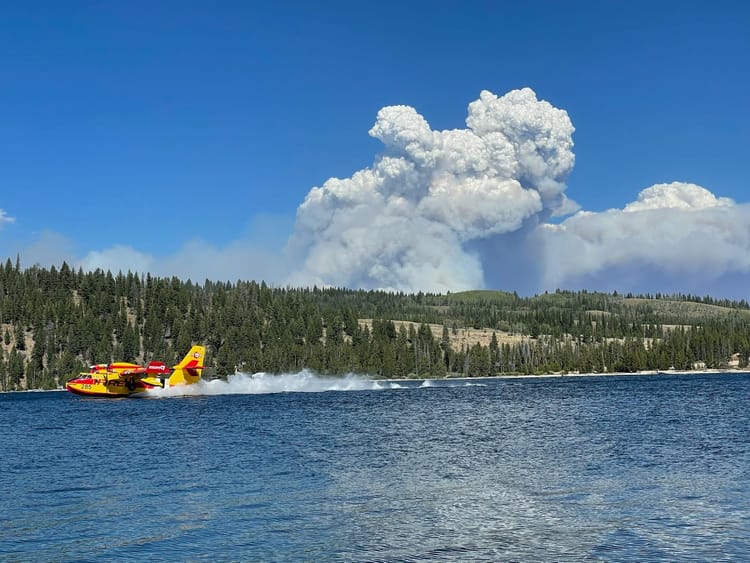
304	468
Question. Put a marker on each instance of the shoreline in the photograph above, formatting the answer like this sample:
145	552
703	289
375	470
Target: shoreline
642	373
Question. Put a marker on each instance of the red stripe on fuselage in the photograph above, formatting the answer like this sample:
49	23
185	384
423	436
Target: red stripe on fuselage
85	380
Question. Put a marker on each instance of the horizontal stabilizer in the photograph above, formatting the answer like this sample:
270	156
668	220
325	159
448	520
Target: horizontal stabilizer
153	368
157	368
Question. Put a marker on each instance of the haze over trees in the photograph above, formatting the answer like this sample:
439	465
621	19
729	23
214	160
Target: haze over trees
56	322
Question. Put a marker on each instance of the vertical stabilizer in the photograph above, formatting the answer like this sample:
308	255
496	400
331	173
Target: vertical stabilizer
189	370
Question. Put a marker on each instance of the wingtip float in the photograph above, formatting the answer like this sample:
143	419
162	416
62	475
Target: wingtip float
123	379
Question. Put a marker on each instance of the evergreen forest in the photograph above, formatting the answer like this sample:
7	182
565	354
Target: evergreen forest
55	322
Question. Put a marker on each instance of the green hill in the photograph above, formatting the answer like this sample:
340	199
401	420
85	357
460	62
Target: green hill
55	322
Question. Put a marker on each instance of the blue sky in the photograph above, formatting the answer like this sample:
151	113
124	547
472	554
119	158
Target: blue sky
146	135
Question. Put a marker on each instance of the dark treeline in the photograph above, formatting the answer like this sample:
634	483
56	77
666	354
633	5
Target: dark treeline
55	322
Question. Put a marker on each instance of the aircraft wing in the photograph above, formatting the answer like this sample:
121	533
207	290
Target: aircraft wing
135	371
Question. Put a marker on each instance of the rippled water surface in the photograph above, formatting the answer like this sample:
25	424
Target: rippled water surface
595	468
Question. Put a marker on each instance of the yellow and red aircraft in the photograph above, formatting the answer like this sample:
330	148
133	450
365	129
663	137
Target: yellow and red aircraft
122	379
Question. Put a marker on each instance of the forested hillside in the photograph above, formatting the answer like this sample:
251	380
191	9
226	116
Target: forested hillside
56	322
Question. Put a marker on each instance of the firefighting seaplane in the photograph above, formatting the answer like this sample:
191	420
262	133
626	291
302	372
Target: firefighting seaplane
123	379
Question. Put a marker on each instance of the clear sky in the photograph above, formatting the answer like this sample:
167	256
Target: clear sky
182	138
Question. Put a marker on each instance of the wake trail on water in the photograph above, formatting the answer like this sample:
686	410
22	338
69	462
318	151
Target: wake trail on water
265	383
432	383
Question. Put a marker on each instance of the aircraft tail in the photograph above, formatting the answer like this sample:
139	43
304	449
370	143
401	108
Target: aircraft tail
189	370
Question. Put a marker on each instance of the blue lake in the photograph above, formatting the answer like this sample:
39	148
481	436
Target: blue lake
305	468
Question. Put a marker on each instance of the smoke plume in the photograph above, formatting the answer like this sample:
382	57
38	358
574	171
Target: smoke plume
469	208
677	235
410	220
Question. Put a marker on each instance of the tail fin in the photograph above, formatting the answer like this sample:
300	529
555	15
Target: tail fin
188	371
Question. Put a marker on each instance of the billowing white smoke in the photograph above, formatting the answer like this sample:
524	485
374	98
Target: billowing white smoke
676	235
677	195
466	209
407	223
